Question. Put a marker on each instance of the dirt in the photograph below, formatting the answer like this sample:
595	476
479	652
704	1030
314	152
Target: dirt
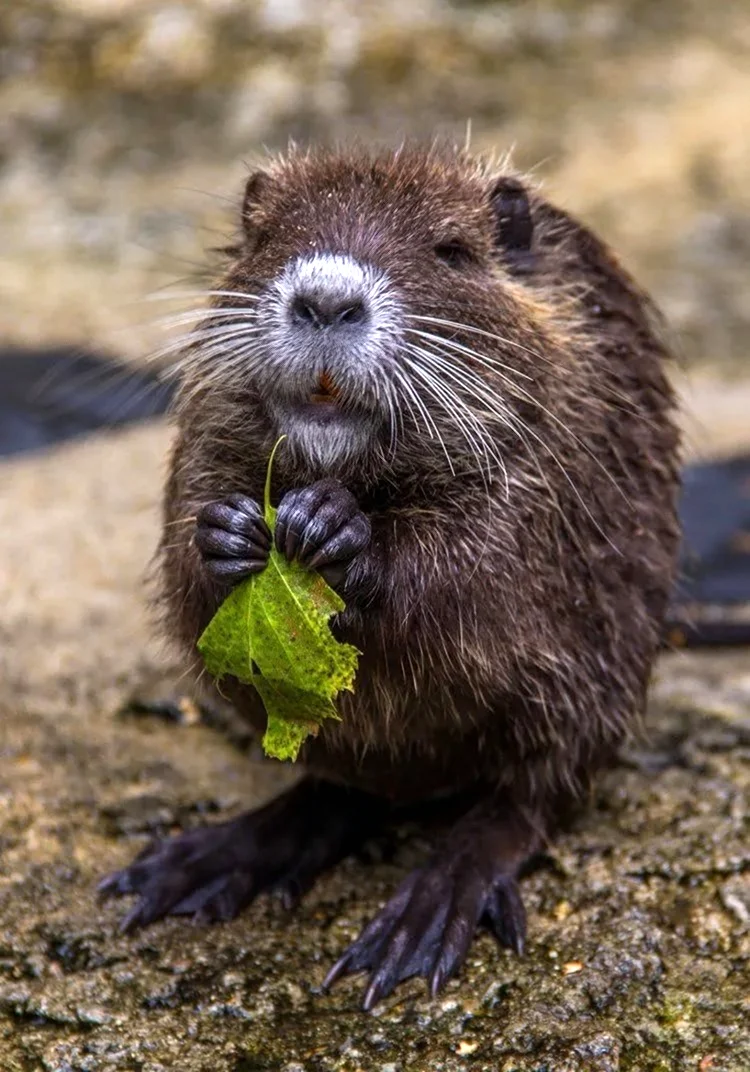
639	920
126	132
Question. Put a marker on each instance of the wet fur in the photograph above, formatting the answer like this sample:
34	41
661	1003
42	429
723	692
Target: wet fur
510	638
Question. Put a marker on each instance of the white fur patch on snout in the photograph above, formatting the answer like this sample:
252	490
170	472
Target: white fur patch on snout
336	275
359	359
332	271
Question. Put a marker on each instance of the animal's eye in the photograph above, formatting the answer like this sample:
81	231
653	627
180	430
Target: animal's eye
454	253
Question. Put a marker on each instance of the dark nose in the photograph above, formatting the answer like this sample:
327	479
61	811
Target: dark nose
326	310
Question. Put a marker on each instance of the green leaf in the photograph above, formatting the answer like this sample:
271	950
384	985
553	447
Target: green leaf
272	632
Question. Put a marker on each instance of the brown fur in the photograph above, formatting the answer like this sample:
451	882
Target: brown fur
512	636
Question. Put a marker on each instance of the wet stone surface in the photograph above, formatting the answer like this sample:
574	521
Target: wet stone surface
127	132
639	943
127	129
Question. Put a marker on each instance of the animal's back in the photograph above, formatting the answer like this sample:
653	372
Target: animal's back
517	614
481	457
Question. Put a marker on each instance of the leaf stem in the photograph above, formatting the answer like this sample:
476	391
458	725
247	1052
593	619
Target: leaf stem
268	511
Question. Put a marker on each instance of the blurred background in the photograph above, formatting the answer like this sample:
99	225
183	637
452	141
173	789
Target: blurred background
126	130
126	127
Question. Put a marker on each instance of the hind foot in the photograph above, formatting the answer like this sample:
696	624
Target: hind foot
427	927
216	871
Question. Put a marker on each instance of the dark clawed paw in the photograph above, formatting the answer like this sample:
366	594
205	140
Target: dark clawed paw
233	538
197	873
215	871
506	915
321	525
427	928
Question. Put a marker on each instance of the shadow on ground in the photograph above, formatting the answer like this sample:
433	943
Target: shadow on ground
639	930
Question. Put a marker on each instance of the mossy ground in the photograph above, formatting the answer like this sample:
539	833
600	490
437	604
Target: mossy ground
639	925
129	127
125	129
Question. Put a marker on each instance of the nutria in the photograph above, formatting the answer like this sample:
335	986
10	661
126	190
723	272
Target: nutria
482	459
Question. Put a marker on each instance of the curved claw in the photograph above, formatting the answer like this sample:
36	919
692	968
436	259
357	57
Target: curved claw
294	886
343	545
321	525
507	916
427	928
232	538
339	970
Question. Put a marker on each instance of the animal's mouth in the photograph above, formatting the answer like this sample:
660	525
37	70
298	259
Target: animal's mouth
323	404
326	401
326	391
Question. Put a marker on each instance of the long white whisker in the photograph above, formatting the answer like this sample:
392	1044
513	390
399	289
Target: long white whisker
465	420
244	366
477	331
243	360
465	376
489	399
480	434
179	295
430	426
191	315
468	379
529	397
443	392
481	359
217	347
400	376
191	343
440	401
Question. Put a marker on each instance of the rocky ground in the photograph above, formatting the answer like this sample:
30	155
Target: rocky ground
124	128
639	925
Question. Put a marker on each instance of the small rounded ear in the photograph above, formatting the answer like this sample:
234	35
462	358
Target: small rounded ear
514	227
254	188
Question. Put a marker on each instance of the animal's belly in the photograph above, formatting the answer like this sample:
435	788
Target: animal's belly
401	746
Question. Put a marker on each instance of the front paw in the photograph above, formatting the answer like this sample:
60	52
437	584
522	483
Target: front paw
322	527
233	538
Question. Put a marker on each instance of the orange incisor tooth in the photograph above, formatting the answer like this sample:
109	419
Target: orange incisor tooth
327	385
327	389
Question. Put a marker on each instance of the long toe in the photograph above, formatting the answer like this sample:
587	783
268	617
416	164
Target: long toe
224	900
507	915
216	871
425	930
